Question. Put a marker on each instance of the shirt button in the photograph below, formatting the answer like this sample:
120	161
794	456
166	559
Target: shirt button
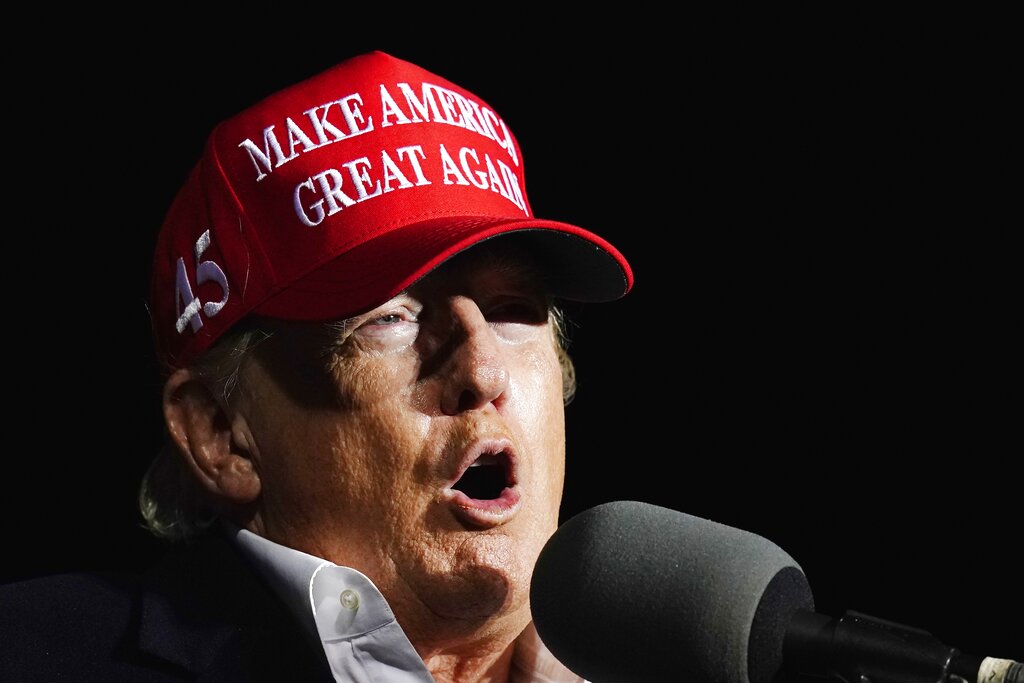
349	599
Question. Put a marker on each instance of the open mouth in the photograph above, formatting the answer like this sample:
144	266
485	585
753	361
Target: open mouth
487	478
486	494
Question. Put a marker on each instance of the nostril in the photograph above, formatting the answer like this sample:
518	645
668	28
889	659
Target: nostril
467	401
482	386
475	374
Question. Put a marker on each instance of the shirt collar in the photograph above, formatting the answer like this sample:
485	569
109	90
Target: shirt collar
289	572
319	593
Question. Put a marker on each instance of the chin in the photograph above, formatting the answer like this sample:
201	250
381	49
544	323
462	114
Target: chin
488	577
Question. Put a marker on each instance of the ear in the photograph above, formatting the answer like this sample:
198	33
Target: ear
200	426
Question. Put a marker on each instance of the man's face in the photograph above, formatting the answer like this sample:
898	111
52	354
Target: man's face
421	443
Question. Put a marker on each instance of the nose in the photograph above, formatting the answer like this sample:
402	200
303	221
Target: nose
475	369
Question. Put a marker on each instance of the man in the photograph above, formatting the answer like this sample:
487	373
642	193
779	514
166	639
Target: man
356	311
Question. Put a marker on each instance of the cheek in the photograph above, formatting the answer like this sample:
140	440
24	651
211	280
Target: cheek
537	393
374	436
379	452
536	399
340	457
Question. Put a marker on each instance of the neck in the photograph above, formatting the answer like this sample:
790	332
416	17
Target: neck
481	667
454	651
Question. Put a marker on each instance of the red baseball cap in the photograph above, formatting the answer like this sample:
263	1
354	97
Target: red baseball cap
335	194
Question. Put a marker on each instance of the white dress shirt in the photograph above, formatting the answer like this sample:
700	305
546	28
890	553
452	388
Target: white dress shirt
344	611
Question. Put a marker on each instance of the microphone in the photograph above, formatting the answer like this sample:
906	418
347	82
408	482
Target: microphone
629	592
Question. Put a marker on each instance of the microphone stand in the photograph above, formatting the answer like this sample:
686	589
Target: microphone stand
858	648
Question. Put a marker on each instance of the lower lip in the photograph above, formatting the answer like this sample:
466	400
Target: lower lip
483	513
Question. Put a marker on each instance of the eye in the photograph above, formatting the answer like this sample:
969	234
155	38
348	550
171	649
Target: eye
388	318
525	311
390	327
518	319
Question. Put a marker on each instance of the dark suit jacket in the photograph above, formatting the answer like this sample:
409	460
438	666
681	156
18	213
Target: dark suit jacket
200	615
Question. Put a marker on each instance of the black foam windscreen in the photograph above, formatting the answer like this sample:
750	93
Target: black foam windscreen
628	591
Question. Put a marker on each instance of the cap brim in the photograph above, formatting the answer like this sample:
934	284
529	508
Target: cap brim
578	265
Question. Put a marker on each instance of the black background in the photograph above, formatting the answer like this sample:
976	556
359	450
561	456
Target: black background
817	349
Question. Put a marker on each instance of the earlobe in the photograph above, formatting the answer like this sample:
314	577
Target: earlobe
216	455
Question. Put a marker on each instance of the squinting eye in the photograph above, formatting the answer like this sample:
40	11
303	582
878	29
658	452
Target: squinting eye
392	317
392	329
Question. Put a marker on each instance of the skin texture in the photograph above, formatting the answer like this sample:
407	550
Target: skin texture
343	441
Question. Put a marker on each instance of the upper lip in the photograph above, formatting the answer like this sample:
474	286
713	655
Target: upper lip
485	447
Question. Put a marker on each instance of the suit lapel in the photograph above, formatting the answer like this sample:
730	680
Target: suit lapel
204	610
